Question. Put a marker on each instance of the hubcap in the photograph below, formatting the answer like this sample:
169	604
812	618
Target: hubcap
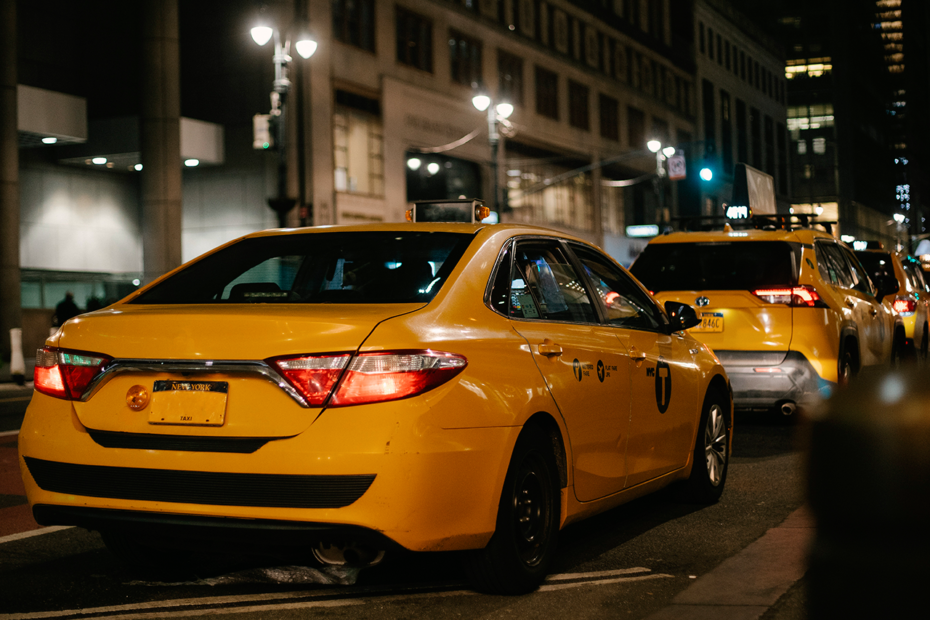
715	444
529	511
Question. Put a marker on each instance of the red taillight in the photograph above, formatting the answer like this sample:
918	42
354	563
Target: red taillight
66	374
313	375
378	377
796	296
904	306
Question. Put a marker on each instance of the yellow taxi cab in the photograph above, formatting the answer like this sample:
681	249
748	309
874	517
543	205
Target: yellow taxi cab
911	301
787	308
425	386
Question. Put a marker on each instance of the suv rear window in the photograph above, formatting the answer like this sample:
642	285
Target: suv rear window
728	265
343	267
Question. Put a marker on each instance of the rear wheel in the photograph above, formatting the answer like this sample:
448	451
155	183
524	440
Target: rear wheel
711	452
518	556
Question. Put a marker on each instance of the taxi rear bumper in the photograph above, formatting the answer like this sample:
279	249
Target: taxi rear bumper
764	379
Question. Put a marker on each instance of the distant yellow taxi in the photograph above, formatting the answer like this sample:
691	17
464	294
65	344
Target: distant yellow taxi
786	307
425	386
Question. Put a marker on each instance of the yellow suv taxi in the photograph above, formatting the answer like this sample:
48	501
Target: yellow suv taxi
911	302
789	310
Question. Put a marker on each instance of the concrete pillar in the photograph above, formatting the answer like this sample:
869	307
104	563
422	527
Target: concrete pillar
10	310
160	132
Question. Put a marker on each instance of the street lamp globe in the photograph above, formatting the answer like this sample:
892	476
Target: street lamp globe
669	151
306	46
654	146
504	110
481	102
262	34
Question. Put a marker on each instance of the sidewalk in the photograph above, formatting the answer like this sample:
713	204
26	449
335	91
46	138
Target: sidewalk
7	381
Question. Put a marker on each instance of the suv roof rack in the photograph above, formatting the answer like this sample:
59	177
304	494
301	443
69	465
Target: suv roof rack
777	221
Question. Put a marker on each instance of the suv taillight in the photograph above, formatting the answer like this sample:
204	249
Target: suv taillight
66	374
804	296
905	306
368	377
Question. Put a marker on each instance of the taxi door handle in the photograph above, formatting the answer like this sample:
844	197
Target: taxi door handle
548	348
873	311
850	303
637	355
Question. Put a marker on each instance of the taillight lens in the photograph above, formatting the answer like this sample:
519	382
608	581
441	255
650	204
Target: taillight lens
905	306
313	375
805	296
66	374
382	376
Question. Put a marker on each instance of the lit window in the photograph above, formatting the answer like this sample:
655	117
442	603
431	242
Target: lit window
802	147
820	145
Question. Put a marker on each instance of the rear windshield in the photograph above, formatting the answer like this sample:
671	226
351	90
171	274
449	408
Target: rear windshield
730	265
357	267
877	264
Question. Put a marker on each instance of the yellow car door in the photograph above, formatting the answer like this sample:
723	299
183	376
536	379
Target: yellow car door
663	384
585	367
876	321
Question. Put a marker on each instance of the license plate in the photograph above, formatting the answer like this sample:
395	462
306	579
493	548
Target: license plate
194	403
710	322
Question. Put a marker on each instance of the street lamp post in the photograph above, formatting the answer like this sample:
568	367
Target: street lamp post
497	114
662	154
305	46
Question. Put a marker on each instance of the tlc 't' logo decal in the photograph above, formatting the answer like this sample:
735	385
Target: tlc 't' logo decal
663	374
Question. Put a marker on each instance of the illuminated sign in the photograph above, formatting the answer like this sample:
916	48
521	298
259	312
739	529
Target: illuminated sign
648	230
738	212
860	245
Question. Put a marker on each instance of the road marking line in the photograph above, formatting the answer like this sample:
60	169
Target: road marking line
125	612
603	573
602	582
9	433
31	533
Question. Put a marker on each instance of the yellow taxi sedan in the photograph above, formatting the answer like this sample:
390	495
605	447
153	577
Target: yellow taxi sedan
360	389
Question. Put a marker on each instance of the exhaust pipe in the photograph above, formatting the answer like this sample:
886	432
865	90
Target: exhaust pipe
347	554
788	408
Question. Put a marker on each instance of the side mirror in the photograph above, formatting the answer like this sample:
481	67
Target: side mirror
681	316
886	285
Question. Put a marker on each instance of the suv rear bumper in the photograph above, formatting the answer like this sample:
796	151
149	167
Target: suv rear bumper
764	379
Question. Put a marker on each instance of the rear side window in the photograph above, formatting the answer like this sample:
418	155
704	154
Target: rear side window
545	286
877	264
358	267
832	267
730	265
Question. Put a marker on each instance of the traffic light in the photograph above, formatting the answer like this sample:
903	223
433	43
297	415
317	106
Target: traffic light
706	174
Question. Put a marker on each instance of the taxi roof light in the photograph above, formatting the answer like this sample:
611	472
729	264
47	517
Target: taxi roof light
465	210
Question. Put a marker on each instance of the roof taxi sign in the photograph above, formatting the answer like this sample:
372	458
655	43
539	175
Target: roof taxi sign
464	210
738	212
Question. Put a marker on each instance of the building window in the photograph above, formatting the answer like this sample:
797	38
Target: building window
770	146
354	23
565	203
710	122
609	109
742	65
742	141
726	51
726	131
465	59
719	50
510	73
755	134
358	145
782	159
636	127
547	93
710	43
578	115
414	40
749	69
701	37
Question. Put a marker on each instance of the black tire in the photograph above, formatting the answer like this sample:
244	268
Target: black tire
846	368
711	452
517	558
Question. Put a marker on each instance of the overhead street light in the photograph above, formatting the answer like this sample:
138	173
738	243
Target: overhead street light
305	46
498	113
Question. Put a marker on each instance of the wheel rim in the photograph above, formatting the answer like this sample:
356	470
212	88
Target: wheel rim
530	511
715	444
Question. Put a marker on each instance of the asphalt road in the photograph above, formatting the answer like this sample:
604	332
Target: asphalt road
646	559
